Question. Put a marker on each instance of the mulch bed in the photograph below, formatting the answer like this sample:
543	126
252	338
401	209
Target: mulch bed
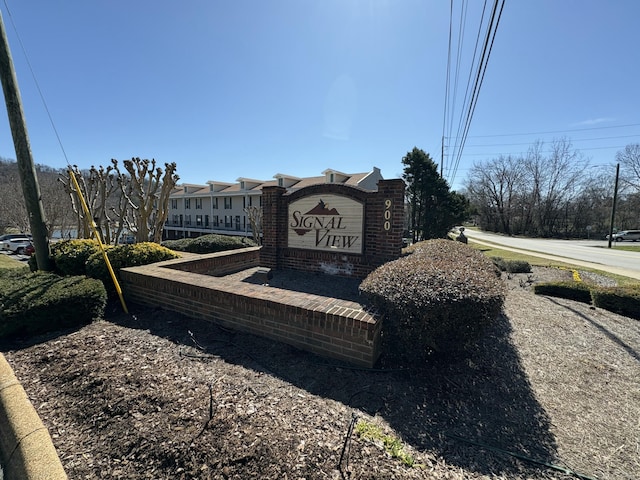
154	395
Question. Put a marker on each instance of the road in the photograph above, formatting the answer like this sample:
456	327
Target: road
586	253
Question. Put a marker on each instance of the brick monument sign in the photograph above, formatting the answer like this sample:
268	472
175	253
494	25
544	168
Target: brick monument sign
332	228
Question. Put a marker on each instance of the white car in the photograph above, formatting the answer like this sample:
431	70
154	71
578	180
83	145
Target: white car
15	245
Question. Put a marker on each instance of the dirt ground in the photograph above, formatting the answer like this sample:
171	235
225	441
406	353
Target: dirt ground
553	385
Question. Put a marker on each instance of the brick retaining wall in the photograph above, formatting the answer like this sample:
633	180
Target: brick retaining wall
326	326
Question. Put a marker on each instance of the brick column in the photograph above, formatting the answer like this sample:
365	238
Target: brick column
385	222
274	226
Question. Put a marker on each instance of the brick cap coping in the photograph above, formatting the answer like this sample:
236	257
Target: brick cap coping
26	449
309	301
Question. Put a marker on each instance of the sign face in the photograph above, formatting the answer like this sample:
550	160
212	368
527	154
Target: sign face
326	222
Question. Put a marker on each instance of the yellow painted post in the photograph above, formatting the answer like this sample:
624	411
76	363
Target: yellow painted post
95	232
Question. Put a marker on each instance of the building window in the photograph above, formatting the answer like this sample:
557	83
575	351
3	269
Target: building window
227	221
176	220
237	222
174	204
227	203
187	219
206	221
215	202
244	202
198	220
242	185
198	204
331	178
281	182
260	200
216	221
187	203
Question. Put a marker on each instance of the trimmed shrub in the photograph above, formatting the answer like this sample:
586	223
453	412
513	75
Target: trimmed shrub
128	255
518	266
500	263
577	291
622	300
209	243
70	256
179	245
439	298
40	302
511	266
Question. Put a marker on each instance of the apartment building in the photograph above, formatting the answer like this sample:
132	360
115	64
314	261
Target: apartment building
221	207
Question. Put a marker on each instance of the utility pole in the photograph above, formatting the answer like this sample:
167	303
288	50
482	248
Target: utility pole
26	167
442	158
613	208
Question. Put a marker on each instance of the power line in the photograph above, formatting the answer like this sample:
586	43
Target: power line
446	89
473	63
572	140
35	80
554	131
492	29
470	101
545	151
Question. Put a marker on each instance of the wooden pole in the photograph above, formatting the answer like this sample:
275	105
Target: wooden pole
26	167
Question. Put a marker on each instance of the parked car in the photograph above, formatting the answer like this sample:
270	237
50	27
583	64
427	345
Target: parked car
622	235
9	236
15	245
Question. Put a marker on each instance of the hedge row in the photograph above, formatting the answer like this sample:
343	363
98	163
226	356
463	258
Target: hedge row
84	257
512	266
438	298
621	300
33	303
209	243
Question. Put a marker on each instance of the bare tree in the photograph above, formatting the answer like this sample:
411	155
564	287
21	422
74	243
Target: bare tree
13	211
629	160
12	208
495	188
96	186
54	200
254	215
149	196
123	209
554	181
540	194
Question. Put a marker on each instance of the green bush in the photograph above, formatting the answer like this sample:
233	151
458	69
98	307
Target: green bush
500	263
511	266
39	302
70	256
122	256
518	266
438	298
622	300
577	291
209	243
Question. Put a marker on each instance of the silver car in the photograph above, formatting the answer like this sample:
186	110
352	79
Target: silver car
15	245
631	235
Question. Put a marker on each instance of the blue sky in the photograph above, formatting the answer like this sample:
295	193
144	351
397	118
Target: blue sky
251	88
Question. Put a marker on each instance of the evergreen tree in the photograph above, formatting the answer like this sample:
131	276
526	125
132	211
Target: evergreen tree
434	209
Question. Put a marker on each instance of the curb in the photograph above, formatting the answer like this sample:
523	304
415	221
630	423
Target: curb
26	449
